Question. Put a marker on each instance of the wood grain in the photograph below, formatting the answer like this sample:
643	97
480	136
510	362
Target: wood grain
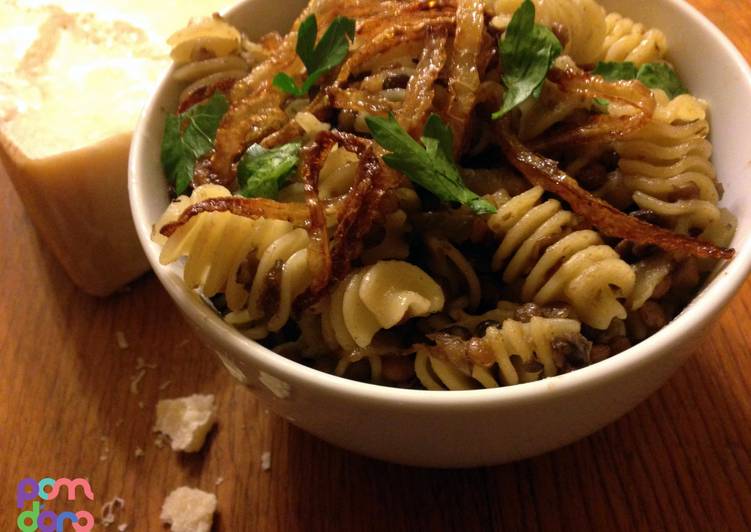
680	461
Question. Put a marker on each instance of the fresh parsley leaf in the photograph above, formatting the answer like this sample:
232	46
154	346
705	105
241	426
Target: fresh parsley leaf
527	52
188	137
653	75
430	164
602	104
613	71
318	58
285	82
661	76
261	172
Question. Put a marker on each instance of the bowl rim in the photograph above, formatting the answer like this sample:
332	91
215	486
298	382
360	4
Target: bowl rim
694	317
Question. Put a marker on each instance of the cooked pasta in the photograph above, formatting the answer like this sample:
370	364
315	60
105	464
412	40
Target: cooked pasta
259	265
518	352
667	165
391	194
627	40
557	263
375	298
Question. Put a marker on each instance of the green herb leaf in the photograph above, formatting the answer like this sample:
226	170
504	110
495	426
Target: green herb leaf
318	58
429	165
613	71
653	75
188	137
285	82
602	104
661	76
527	53
261	172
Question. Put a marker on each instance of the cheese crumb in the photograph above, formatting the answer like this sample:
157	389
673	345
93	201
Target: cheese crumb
266	461
122	343
141	364
186	420
218	481
135	380
109	509
122	527
189	510
138	453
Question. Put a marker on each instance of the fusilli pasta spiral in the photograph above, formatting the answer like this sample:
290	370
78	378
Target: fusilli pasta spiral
259	265
521	352
576	268
627	40
377	297
667	165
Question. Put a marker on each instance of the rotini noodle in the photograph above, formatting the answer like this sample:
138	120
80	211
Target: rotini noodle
517	348
575	268
235	256
627	40
374	298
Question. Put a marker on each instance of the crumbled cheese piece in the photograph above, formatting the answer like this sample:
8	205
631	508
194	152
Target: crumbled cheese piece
122	527
218	481
141	364
266	461
135	380
277	386
138	453
189	510
109	509
186	420
122	343
105	454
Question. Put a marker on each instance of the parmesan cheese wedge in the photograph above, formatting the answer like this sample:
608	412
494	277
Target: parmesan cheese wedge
74	75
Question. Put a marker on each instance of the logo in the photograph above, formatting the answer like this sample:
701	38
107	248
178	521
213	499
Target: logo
48	489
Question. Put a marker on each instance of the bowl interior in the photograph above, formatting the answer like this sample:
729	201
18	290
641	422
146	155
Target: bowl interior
718	73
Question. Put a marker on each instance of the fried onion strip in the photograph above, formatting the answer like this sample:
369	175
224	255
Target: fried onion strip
601	128
601	215
360	101
295	213
420	91
464	75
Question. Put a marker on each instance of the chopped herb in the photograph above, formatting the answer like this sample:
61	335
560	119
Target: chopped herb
661	76
616	71
430	164
601	103
653	75
318	58
261	172
527	52
188	137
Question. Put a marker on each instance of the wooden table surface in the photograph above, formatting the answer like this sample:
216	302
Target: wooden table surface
680	461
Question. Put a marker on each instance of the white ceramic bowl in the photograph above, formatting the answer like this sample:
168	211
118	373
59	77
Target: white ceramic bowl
481	427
